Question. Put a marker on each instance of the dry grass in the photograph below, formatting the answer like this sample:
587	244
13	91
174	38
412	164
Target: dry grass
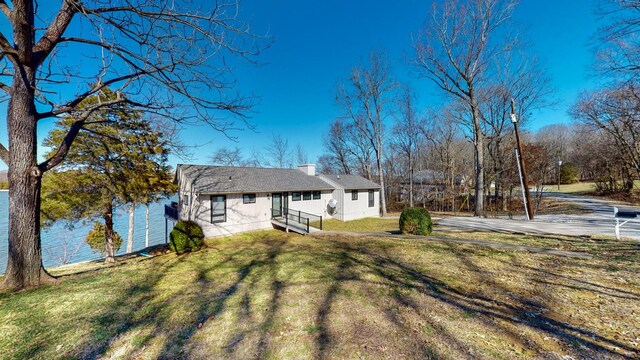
276	295
577	188
362	225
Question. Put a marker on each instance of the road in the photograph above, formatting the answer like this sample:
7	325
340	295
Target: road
598	220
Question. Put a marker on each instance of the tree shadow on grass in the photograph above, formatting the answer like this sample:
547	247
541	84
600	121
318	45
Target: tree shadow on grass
180	296
492	311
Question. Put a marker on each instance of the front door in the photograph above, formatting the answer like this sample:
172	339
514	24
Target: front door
276	205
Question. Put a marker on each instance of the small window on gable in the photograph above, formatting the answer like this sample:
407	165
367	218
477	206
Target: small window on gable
371	192
295	196
248	198
316	195
354	194
306	195
186	200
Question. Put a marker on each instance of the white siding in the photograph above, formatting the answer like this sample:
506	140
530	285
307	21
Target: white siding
357	209
338	194
315	207
247	217
240	217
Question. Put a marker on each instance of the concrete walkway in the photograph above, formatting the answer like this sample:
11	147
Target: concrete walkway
569	254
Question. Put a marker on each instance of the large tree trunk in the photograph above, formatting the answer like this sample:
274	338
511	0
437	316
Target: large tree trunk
109	235
24	258
478	145
132	211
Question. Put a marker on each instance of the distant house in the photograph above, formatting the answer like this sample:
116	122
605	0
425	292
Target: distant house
226	200
3	176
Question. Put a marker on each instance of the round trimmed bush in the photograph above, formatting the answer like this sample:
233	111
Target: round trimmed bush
415	221
186	236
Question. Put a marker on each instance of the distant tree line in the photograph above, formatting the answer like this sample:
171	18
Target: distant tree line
461	154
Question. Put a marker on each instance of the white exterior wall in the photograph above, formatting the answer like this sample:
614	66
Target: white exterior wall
357	209
338	194
240	217
315	207
245	217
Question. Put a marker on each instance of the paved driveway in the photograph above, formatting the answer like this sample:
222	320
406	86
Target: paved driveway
597	221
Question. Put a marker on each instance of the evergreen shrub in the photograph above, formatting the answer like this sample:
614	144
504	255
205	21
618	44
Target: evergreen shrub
186	236
415	221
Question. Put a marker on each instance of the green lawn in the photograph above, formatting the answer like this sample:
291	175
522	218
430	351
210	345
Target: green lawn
275	295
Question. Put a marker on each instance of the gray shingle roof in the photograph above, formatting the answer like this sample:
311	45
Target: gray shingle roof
351	182
215	179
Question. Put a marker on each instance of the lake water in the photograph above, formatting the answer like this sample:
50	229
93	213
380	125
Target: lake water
58	238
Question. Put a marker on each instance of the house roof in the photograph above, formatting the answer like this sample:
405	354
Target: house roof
226	179
351	182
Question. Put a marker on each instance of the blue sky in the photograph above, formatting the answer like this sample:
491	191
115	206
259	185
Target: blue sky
317	42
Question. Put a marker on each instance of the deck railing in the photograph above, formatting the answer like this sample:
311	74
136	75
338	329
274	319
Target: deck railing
301	217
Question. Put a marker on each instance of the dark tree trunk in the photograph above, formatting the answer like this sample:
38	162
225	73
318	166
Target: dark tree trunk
479	158
109	235
24	258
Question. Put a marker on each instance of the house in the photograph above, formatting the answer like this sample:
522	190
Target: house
225	200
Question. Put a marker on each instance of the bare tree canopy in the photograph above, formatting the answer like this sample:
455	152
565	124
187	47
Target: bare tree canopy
168	58
279	153
615	115
618	50
366	101
458	51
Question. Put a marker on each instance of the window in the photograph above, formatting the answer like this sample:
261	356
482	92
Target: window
354	194
370	198
295	196
306	195
218	208
316	195
186	200
248	198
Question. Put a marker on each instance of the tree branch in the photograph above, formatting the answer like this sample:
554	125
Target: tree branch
77	125
54	32
6	10
4	154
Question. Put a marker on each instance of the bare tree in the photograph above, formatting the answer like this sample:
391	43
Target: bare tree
521	79
227	157
301	155
618	49
366	102
459	46
279	152
616	113
336	143
408	132
161	57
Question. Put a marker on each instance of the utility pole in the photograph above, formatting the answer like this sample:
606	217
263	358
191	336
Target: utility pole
559	172
521	168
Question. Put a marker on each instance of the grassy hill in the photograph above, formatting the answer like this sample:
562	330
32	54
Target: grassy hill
275	295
